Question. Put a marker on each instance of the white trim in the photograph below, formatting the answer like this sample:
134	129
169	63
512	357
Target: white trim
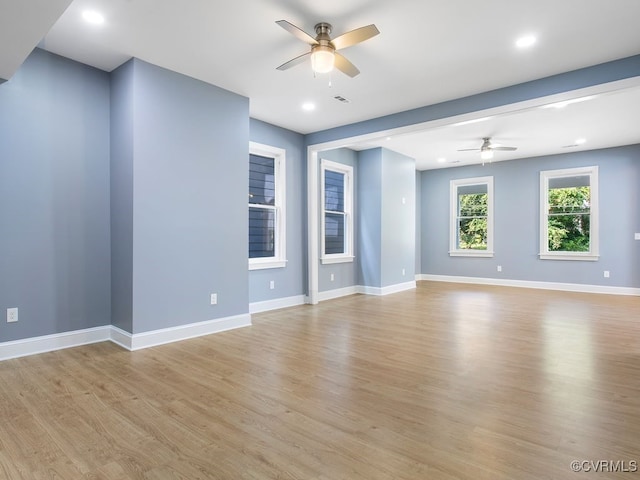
337	293
331	259
312	225
77	338
121	338
276	303
400	287
454	251
184	332
580	256
349	194
365	290
593	254
279	260
564	287
471	253
263	264
49	343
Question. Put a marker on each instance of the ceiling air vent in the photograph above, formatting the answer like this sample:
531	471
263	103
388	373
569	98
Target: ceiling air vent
340	98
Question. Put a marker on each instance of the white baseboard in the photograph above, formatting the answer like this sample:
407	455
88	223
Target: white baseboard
378	291
400	287
275	304
49	343
154	338
337	293
564	287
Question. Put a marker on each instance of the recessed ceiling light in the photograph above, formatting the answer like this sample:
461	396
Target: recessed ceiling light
308	106
442	160
525	41
580	141
92	16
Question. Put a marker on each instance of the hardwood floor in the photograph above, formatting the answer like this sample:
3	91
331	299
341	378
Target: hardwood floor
444	382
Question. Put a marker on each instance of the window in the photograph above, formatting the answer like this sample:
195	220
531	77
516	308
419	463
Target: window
337	205
471	209
266	207
569	214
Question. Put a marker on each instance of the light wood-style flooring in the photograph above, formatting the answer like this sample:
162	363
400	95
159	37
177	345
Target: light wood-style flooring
444	382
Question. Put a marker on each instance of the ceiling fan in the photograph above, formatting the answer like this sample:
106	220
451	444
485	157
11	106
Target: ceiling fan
323	52
487	148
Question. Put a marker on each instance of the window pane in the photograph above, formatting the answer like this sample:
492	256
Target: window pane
262	227
334	233
569	233
472	233
334	191
569	222
472	220
262	180
473	204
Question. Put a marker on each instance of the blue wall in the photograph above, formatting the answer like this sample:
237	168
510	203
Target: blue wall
517	210
54	197
291	280
122	197
398	218
386	224
370	217
190	181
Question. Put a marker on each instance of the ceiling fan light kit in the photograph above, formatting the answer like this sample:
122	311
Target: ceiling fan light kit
486	154
323	49
322	59
487	148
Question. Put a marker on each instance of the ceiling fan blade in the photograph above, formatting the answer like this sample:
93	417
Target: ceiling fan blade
505	149
469	150
345	66
297	32
294	61
355	36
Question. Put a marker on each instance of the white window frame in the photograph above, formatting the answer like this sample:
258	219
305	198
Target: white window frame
279	260
454	251
347	170
593	253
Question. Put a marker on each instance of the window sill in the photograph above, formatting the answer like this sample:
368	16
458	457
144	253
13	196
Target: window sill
471	253
584	257
265	264
337	259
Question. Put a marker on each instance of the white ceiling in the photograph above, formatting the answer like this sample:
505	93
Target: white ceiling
428	51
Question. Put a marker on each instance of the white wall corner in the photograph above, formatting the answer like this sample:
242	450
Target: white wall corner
121	338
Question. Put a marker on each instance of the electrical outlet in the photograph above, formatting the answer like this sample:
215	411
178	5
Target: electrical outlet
499	268
333	277
12	315
214	299
606	274
637	236
272	284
